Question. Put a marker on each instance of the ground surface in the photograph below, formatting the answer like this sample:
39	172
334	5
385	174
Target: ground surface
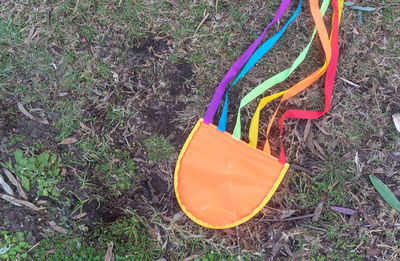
128	80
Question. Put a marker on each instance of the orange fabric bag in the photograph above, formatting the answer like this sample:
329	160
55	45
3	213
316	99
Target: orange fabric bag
220	181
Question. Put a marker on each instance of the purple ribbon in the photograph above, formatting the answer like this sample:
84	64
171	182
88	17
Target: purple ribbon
219	92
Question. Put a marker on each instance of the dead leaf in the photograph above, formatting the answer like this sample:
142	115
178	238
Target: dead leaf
30	36
67	141
350	82
245	244
373	251
5	186
177	216
396	120
276	225
359	165
286	213
258	237
346	156
371	221
289	219
152	232
109	254
317	212
62	94
84	127
79	216
266	211
18	202
16	183
191	258
276	247
346	211
63	171
30	116
310	143
218	17
319	148
41	202
228	231
322	129
287	250
300	168
307	130
57	228
51	251
299	255
378	171
353	220
10	199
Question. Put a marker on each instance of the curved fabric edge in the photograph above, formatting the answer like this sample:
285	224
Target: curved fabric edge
204	224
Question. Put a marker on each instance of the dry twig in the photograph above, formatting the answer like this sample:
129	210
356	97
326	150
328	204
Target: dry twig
16	183
30	116
18	202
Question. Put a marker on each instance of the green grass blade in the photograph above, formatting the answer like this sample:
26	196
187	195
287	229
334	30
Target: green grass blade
385	192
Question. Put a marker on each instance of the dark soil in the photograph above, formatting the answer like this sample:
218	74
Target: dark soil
156	116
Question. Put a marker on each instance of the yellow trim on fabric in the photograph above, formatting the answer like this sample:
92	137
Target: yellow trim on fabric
204	224
253	131
341	3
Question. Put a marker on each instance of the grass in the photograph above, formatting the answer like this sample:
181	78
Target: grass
69	118
130	237
116	166
9	34
111	66
158	148
14	139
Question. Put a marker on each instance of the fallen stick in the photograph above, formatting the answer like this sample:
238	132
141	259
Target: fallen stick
5	186
30	116
300	168
289	219
18	202
204	19
16	183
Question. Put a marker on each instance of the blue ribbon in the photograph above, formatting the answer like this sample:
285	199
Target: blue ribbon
258	54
